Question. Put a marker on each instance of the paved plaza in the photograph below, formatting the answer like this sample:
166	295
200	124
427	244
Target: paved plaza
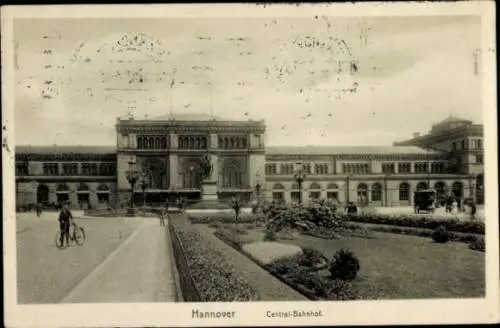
122	260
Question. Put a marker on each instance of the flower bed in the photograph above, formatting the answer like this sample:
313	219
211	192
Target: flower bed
213	276
315	286
423	222
265	252
222	217
234	236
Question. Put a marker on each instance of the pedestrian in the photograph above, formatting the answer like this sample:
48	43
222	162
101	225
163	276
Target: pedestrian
38	208
65	220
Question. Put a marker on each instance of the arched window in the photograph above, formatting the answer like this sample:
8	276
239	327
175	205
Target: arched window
237	143
314	186
191	176
362	194
244	143
404	191
457	189
221	143
151	143
82	187
157	143
231	177
440	187
62	187
103	187
197	143
295	186
163	142
139	142
278	186
377	192
332	186
422	186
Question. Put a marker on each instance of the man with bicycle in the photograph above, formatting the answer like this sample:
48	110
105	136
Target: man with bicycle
65	221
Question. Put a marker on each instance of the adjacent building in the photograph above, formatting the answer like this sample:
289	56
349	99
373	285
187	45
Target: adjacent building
165	152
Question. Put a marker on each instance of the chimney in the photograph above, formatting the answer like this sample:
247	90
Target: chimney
416	134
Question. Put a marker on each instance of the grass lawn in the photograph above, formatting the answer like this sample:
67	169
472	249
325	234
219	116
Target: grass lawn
400	267
397	266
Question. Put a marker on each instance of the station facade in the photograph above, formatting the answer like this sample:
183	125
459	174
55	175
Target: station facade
166	153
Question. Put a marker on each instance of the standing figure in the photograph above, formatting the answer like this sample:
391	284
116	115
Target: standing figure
65	220
38	208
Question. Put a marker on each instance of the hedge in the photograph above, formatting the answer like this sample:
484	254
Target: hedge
213	275
423	222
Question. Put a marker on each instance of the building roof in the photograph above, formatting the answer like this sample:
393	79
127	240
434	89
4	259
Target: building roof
55	149
345	150
451	119
271	150
186	117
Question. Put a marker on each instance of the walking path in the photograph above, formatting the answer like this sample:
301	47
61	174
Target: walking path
140	270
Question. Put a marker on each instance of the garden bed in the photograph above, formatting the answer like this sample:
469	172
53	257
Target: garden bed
208	268
423	222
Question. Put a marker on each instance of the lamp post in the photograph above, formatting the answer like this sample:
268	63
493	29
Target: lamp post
300	176
132	176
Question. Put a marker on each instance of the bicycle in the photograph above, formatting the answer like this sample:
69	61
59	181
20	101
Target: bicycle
76	235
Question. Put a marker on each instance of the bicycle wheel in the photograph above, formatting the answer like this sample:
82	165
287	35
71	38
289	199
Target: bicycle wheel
79	235
58	240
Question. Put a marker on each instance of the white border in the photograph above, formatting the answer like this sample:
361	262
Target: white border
336	313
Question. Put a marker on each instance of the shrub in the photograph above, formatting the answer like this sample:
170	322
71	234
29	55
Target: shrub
311	257
210	270
345	265
270	235
338	290
478	245
310	280
440	235
284	266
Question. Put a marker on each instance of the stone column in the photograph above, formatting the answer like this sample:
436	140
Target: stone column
174	143
213	141
173	171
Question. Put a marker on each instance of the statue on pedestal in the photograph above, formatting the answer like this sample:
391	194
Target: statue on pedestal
206	167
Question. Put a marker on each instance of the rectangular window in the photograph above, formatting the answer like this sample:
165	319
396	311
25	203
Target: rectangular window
404	167
278	196
314	195
321	169
70	169
480	144
271	169
22	169
332	195
479	159
50	169
388	168
295	196
103	198
421	167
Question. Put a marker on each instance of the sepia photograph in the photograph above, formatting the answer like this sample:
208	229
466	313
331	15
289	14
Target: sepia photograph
249	164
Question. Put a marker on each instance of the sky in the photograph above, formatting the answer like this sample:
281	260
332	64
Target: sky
314	80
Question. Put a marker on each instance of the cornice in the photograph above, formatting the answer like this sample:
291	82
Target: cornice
62	157
366	157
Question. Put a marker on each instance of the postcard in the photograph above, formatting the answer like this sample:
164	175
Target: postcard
250	164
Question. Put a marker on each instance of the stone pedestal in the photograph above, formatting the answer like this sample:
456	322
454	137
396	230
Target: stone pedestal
209	191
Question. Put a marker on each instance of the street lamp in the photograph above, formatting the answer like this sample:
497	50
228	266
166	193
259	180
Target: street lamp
300	176
132	176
